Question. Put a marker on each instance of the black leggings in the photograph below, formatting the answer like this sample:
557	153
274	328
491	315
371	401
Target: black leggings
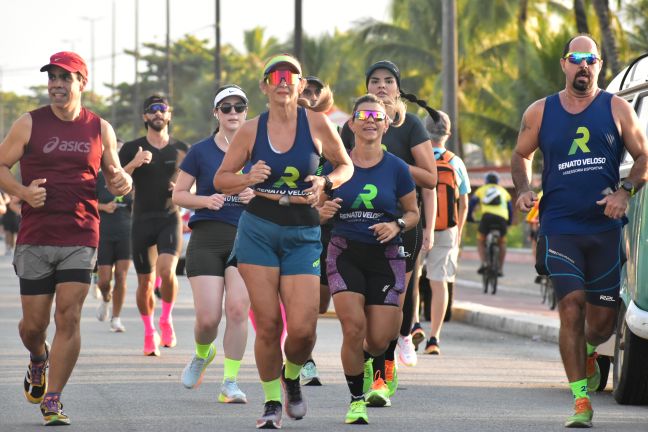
408	308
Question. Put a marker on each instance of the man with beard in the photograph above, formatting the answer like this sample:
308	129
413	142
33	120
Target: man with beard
582	132
152	160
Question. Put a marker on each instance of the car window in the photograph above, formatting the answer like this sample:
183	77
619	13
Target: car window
640	104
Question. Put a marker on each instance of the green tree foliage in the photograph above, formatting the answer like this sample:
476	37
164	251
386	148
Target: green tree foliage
508	57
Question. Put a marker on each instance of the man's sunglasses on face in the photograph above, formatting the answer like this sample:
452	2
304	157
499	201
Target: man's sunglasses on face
153	108
578	57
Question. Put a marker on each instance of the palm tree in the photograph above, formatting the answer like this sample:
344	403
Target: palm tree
581	16
610	52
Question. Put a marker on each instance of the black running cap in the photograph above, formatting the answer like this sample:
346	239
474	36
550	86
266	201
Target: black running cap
383	64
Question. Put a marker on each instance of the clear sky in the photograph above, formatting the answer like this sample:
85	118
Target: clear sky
32	30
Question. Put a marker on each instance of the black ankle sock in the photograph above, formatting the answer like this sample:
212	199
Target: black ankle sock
389	354
355	385
379	366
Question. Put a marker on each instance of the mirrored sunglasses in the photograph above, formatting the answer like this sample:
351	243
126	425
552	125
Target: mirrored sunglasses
365	114
153	108
275	77
578	57
227	108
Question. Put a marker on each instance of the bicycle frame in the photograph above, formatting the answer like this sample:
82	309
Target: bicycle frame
491	273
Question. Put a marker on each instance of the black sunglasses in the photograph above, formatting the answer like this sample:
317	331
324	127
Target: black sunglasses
308	92
153	108
227	108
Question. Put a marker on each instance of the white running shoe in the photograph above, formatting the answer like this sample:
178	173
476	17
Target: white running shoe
308	376
406	351
102	310
231	393
192	374
116	325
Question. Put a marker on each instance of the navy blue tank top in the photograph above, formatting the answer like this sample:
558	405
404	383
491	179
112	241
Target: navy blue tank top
290	168
582	153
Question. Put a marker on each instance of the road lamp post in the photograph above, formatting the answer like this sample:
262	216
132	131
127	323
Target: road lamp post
92	50
217	48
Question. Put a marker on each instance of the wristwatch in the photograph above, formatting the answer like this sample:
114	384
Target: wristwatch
628	186
284	201
328	185
401	224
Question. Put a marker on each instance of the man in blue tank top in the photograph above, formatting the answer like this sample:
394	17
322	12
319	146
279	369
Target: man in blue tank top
582	132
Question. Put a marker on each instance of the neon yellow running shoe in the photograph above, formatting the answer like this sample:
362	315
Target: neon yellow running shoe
357	413
583	414
368	376
378	395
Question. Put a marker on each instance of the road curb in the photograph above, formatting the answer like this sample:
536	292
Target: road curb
507	321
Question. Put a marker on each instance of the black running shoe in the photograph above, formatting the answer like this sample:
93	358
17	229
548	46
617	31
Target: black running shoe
271	418
295	404
35	383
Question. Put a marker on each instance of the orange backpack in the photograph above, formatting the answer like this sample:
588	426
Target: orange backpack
447	193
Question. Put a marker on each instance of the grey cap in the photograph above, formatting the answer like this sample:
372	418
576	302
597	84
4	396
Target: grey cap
438	129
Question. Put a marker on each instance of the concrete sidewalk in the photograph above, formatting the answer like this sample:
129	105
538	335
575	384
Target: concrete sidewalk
516	308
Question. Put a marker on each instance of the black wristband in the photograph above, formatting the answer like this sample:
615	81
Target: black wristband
328	185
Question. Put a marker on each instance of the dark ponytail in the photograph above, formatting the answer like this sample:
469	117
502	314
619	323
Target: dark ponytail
414	99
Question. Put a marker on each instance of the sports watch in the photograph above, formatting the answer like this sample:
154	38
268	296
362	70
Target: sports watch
628	186
401	224
328	185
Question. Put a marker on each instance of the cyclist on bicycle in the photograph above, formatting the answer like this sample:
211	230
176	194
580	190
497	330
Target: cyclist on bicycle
497	213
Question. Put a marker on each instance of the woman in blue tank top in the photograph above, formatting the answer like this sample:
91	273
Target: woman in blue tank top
213	228
408	140
365	263
278	242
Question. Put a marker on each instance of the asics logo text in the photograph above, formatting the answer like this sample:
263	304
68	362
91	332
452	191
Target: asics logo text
66	146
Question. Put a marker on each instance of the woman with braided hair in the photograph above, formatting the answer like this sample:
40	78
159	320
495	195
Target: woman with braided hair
407	139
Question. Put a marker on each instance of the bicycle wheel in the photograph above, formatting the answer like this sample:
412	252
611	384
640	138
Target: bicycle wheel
494	283
494	267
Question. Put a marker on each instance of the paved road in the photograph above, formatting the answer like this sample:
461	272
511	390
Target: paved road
483	381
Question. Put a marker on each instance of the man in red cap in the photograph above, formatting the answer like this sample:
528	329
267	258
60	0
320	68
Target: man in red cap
61	147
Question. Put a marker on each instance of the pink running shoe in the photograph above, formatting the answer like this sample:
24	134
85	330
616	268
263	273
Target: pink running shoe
152	344
168	334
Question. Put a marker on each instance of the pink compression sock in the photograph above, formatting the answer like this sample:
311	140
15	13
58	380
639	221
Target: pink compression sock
284	332
149	328
166	311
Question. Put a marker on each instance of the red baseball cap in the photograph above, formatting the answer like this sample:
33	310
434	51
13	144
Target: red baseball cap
68	60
